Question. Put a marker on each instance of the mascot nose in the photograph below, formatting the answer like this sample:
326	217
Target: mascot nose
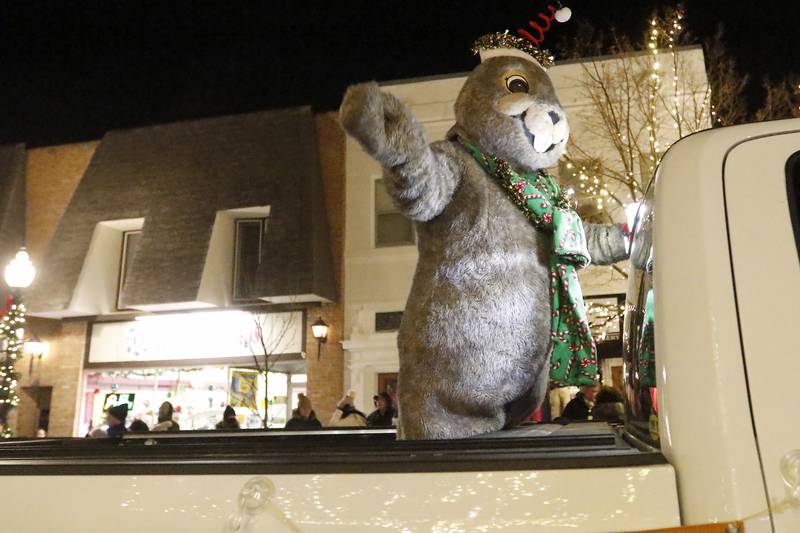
546	127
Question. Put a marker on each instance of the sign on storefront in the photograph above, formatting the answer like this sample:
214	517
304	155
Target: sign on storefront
119	398
198	335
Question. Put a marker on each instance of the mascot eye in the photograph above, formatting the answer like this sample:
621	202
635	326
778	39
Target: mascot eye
517	84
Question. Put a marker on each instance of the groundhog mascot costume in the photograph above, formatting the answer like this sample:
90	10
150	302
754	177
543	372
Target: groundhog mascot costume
495	311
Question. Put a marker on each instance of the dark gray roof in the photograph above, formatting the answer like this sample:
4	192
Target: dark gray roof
12	204
177	176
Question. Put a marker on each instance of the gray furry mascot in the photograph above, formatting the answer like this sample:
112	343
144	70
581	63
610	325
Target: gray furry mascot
493	313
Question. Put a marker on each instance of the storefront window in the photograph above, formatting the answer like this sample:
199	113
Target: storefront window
198	396
639	337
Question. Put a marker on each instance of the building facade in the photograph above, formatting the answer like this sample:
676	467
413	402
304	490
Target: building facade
165	256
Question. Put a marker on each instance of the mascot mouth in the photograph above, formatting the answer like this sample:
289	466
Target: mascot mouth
532	138
544	129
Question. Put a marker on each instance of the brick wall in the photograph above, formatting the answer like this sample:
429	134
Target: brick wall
52	175
60	369
326	376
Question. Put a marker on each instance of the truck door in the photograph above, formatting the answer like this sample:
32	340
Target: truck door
762	192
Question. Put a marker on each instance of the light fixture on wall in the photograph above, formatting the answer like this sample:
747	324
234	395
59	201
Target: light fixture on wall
320	331
34	347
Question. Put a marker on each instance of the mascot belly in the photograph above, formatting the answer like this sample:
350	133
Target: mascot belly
477	333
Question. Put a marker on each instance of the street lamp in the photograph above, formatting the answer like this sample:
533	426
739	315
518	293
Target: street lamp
320	331
20	271
18	275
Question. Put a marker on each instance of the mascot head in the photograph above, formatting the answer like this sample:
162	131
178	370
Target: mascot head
508	105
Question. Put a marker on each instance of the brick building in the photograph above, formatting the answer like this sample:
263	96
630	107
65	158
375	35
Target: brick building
154	222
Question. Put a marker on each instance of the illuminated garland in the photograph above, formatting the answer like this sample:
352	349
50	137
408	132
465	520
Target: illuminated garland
12	328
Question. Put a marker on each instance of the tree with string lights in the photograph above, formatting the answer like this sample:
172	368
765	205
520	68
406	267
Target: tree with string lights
644	98
11	331
18	274
640	104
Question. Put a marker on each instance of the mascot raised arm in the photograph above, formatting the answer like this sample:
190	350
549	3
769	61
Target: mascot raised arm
495	311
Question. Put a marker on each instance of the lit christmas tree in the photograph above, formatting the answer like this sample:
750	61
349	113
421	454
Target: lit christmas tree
11	331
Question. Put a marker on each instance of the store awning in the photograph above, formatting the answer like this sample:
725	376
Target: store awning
183	184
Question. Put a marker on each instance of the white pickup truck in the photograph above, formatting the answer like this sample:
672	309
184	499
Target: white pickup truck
711	434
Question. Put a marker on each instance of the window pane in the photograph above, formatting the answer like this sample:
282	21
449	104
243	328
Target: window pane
793	189
247	258
130	242
392	228
389	321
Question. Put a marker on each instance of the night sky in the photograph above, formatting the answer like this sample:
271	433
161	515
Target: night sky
71	71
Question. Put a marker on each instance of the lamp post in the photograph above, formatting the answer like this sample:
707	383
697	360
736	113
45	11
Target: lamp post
320	331
18	275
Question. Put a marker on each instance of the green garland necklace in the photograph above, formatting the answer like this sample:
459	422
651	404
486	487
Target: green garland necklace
573	359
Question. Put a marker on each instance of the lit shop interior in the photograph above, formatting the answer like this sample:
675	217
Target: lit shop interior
200	362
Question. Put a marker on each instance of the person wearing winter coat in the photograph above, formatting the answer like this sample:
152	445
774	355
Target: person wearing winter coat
304	416
382	416
346	414
115	417
608	405
165	421
229	420
580	407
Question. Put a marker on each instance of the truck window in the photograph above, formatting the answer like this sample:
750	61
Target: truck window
639	339
793	191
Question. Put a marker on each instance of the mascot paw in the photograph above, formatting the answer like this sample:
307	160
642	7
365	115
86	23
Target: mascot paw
379	121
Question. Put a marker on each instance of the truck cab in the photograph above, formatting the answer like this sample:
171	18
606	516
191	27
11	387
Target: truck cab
715	252
710	434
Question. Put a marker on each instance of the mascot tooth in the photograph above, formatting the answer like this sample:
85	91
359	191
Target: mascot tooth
495	310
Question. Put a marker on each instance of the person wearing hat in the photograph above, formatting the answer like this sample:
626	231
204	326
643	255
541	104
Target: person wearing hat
346	414
304	416
229	420
165	421
382	416
115	418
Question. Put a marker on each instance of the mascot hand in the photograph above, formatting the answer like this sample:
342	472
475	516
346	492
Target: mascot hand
382	124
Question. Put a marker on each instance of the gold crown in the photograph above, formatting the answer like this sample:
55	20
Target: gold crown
504	39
